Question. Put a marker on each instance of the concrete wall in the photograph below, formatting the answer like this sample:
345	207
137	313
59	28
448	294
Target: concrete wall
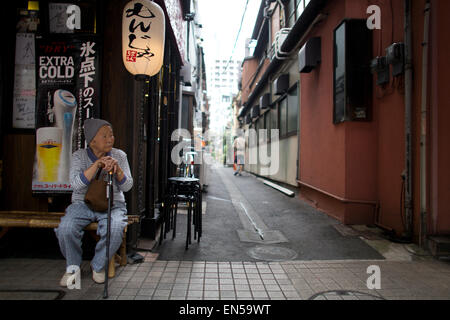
365	161
439	135
287	169
353	160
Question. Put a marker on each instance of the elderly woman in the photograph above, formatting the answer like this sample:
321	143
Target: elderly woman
100	139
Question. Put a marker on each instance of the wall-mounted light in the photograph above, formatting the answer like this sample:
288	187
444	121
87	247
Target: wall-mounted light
143	36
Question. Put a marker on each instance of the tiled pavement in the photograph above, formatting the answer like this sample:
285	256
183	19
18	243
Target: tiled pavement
204	280
405	272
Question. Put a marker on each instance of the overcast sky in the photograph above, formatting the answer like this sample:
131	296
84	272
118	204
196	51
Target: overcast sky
221	21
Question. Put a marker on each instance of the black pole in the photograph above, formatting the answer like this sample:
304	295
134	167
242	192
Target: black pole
108	232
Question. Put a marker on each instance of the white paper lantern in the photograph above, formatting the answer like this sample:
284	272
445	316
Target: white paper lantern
143	35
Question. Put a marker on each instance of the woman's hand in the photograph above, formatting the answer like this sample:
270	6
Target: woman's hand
109	163
119	172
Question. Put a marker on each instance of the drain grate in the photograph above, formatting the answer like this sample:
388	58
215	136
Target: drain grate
272	253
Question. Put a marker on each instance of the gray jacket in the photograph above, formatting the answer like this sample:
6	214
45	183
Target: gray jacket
83	159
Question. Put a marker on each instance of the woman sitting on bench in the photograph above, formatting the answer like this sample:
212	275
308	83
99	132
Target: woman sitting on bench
85	162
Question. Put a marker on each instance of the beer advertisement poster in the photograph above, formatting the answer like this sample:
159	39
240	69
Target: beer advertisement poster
68	92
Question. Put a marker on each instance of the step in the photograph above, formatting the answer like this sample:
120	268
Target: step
439	245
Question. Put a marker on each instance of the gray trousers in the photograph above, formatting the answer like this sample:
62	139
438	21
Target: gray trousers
70	232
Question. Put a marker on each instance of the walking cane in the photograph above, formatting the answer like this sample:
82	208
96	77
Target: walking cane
108	232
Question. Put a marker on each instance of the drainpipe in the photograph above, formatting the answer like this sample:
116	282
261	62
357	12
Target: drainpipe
408	121
423	135
374	204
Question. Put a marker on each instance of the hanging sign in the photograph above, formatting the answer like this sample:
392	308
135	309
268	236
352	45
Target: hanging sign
68	92
143	35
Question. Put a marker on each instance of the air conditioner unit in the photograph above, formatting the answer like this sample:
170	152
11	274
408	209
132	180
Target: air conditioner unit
264	101
309	55
279	39
281	84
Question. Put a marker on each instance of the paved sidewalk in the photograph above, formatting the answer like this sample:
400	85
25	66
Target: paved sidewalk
207	280
331	261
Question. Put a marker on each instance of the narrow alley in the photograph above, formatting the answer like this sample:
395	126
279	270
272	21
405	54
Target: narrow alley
238	207
259	245
301	143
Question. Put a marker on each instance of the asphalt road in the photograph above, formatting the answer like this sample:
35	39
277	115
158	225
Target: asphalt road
246	220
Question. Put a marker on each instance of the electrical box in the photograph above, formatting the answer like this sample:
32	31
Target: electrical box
255	112
309	55
380	66
395	55
264	101
281	84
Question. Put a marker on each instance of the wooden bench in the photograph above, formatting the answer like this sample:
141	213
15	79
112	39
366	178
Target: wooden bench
33	219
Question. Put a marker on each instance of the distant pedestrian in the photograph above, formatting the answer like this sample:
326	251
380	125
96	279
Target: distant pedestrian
239	147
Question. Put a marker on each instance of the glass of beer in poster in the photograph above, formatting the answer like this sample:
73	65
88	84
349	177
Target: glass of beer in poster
48	145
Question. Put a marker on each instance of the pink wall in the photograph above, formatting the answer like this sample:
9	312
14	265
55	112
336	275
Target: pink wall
248	70
322	147
440	110
365	161
353	160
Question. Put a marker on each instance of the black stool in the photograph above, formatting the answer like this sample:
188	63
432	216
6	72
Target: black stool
188	190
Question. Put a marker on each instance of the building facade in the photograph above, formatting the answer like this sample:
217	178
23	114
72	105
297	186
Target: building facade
143	113
270	95
223	75
371	106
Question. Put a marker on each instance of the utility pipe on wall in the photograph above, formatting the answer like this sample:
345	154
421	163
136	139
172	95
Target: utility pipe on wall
408	120
374	204
424	126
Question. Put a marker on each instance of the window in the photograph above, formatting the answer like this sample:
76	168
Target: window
292	119
300	7
274	119
352	80
257	127
283	117
290	13
267	126
339	74
267	122
288	106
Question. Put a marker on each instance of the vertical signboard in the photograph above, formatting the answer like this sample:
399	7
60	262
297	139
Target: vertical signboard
68	84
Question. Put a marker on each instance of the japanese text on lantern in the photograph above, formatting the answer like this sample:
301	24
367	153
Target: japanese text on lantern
139	27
